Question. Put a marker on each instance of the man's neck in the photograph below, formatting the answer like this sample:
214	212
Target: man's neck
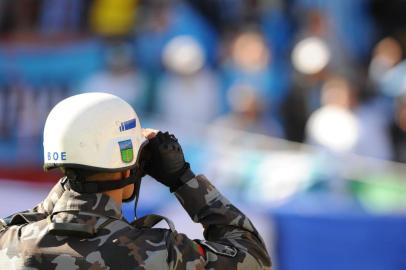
116	195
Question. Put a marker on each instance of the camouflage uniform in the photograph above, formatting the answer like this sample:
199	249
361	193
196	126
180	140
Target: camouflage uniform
98	237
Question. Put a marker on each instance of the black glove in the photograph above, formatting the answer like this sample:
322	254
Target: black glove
163	159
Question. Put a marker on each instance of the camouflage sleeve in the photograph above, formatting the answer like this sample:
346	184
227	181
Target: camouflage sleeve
231	242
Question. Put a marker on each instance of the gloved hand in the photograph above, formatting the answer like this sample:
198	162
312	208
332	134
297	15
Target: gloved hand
162	158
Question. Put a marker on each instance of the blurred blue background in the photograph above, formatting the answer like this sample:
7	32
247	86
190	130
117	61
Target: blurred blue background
296	110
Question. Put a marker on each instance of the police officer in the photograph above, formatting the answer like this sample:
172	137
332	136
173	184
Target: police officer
97	141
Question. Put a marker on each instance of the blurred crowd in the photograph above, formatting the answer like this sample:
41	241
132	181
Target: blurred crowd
329	73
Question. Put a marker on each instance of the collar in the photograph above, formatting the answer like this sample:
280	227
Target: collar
97	203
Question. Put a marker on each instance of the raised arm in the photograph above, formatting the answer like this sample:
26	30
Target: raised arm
231	241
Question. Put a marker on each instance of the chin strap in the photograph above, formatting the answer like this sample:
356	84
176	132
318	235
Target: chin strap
99	186
136	193
83	186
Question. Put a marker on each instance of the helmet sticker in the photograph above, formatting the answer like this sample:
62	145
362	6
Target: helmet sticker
130	124
126	150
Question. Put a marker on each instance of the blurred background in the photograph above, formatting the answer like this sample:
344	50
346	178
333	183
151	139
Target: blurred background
295	109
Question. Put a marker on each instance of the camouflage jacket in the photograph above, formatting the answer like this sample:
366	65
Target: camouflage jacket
69	230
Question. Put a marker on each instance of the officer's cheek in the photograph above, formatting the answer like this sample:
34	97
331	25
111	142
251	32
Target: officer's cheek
128	191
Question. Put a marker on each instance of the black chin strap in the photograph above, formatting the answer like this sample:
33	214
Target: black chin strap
136	193
99	186
83	186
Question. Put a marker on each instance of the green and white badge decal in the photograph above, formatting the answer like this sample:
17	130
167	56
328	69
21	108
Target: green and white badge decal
126	150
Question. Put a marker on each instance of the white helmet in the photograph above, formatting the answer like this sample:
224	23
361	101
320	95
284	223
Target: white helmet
94	131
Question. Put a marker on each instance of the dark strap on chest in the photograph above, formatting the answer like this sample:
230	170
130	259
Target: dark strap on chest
72	229
150	221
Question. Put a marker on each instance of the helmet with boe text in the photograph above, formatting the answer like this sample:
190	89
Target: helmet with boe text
93	131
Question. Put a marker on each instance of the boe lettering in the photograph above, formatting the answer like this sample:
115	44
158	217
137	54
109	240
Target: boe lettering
56	155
